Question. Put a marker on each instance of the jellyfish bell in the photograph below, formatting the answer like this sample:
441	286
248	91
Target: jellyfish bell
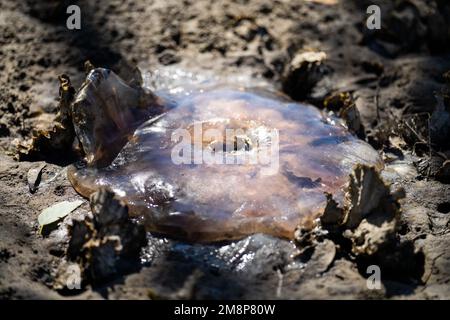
149	148
219	143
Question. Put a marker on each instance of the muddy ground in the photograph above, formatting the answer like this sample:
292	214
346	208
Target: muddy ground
394	76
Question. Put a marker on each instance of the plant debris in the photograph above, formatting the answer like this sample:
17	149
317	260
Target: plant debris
370	212
57	212
57	143
34	176
305	70
344	105
369	218
108	243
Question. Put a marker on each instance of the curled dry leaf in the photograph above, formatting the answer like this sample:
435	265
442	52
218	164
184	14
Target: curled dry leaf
343	104
305	70
34	176
370	213
57	142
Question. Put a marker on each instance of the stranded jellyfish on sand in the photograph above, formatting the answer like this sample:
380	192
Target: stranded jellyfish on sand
210	160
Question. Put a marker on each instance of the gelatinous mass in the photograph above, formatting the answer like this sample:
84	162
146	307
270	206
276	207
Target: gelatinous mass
272	159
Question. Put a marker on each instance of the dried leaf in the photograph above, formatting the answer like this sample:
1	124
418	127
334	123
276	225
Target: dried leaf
34	176
57	211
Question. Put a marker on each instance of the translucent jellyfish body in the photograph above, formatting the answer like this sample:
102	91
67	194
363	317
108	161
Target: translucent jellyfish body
210	161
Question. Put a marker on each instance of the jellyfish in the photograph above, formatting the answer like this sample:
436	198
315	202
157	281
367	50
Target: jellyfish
209	160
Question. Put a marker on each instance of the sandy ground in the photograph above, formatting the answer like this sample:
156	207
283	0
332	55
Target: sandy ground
393	75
